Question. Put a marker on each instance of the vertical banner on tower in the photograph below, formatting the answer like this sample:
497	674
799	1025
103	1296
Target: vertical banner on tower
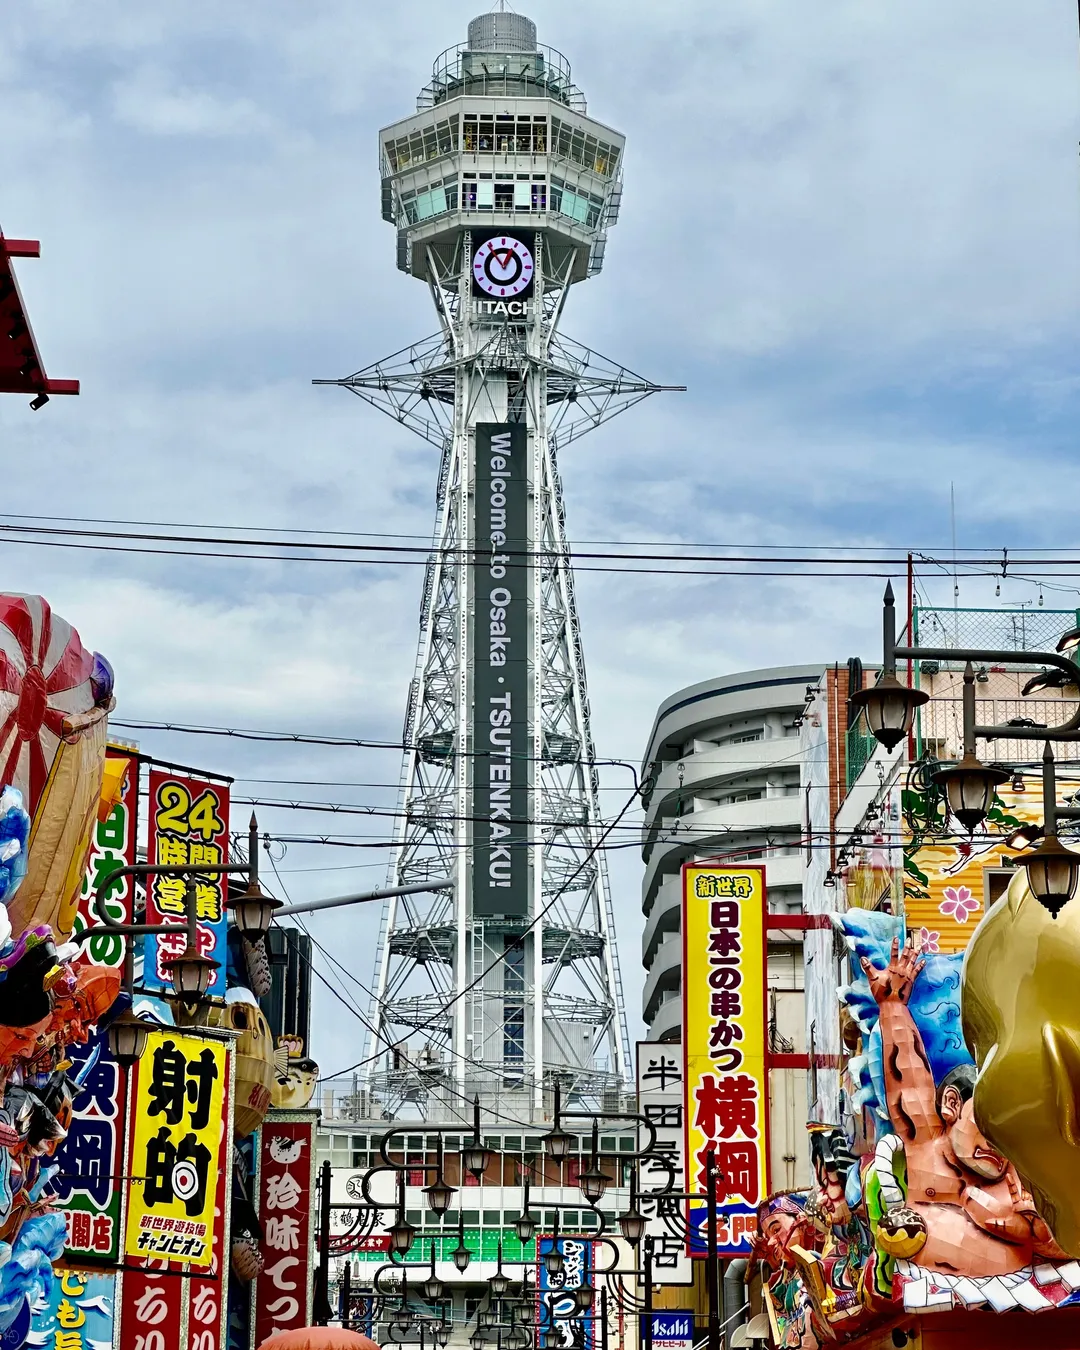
724	1038
92	1155
286	1202
188	827
660	1100
181	1141
501	731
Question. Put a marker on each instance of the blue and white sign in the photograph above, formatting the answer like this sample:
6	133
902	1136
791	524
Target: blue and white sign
671	1330
560	1322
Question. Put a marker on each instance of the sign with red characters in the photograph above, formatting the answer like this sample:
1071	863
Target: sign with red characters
725	1041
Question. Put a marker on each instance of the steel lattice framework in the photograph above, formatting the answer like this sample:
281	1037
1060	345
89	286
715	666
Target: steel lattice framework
448	982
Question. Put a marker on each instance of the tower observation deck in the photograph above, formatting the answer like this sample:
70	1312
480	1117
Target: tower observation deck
497	974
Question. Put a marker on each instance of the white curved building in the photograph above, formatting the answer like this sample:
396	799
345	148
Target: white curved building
725	759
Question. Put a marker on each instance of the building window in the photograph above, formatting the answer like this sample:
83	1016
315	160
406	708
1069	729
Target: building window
743	737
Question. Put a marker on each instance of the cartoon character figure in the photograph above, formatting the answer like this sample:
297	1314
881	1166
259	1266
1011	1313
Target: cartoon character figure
979	1218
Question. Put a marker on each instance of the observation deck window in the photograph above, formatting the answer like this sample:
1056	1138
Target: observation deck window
584	207
504	135
423	145
569	142
419	204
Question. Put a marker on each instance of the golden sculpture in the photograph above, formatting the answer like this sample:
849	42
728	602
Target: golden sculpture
1021	1011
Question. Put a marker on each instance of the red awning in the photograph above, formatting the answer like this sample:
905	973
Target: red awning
21	371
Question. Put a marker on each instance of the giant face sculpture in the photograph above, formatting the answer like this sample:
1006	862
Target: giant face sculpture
1022	1023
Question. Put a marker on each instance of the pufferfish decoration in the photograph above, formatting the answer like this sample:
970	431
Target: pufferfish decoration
294	1075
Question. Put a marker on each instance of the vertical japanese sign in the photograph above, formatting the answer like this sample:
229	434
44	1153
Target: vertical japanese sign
660	1100
189	827
501	624
286	1200
79	1313
560	1321
179	1145
91	1156
724	1040
151	1310
113	847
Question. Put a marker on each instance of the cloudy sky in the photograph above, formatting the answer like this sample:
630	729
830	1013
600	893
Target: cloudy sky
850	229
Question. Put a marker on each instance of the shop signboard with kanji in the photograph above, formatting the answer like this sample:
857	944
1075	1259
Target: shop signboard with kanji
151	1309
180	1142
724	1041
188	827
91	1157
660	1101
560	1319
286	1200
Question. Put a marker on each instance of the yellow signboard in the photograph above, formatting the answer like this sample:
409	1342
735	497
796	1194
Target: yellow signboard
179	1145
724	1040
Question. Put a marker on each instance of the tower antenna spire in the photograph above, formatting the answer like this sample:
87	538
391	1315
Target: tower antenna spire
505	985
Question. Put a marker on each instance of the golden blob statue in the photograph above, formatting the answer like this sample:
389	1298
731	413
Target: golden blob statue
1021	1013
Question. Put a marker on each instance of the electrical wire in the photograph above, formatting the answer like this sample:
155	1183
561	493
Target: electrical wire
500	957
348	1004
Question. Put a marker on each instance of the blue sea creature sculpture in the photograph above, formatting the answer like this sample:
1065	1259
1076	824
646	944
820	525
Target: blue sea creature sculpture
934	1005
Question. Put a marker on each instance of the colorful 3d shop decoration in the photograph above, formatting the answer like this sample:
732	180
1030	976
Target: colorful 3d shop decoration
55	698
101	1170
948	1188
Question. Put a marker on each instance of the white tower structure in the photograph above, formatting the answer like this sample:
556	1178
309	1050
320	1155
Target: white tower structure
506	980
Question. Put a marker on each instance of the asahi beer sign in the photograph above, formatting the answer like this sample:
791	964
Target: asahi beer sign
501	673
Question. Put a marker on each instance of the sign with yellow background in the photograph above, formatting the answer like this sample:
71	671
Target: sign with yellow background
179	1141
724	1039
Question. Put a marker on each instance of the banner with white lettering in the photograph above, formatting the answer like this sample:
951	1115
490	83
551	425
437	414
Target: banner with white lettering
501	578
286	1200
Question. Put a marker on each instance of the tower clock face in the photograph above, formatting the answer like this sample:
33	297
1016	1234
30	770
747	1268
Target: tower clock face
503	267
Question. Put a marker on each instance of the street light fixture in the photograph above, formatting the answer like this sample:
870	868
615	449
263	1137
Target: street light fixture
461	1254
889	706
526	1224
557	1141
439	1193
970	785
253	910
594	1182
191	973
583	1296
499	1282
432	1286
632	1223
1052	869
127	1038
402	1235
475	1155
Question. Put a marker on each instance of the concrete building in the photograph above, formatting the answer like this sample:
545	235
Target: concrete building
724	762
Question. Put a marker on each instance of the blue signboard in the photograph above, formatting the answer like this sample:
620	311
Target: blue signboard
670	1330
561	1321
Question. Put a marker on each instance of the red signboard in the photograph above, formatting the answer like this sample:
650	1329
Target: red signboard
150	1307
286	1198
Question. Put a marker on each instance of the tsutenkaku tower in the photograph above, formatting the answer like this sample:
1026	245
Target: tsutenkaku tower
502	192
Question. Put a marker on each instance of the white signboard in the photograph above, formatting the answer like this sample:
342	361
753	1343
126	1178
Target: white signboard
660	1101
